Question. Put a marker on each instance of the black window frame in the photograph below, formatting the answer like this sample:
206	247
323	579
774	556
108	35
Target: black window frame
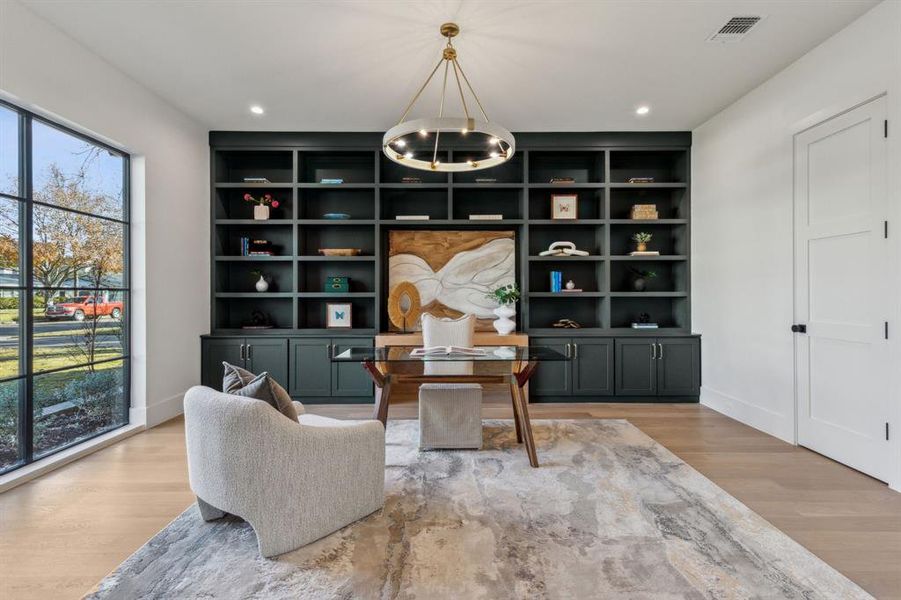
26	288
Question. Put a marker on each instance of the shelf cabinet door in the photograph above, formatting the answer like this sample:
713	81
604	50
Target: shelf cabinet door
678	367
310	367
592	367
636	370
552	378
270	355
214	353
350	379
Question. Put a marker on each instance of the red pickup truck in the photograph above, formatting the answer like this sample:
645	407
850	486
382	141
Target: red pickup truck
79	307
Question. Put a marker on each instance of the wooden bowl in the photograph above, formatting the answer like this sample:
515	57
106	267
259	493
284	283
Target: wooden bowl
340	251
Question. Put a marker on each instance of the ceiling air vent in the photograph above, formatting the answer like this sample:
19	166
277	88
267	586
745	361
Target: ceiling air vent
735	29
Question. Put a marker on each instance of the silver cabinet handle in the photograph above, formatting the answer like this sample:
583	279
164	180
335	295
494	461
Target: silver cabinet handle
568	351
661	351
249	352
328	350
575	350
242	351
653	351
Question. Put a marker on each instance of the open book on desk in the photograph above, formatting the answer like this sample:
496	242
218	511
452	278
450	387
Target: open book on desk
448	351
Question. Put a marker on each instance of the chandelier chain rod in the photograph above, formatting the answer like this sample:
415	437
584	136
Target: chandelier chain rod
472	91
460	87
441	109
419	93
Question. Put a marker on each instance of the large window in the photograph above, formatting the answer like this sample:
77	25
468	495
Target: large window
64	301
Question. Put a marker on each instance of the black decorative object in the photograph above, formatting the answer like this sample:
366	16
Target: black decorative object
258	320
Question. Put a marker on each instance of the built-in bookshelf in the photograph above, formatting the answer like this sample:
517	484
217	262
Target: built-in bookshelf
374	192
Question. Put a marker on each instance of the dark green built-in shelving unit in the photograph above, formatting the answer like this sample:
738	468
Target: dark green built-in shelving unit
373	194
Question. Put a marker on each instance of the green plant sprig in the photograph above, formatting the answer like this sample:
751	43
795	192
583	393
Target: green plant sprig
507	294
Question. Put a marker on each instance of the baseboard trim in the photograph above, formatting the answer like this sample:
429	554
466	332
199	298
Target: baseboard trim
159	412
60	459
767	421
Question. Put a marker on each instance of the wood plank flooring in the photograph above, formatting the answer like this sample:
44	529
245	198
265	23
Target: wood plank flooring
62	533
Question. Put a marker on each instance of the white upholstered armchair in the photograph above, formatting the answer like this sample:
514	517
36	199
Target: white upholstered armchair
293	482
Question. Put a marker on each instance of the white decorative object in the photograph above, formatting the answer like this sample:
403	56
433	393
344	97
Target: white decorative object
262	285
570	285
562	249
504	325
261	212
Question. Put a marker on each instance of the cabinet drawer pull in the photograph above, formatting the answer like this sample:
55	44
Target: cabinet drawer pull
328	350
242	351
249	352
661	351
575	350
568	350
653	351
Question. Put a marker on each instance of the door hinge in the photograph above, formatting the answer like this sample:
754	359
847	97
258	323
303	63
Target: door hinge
886	330
885	128
799	328
885	229
886	432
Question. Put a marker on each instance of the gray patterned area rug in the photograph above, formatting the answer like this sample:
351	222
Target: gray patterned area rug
610	514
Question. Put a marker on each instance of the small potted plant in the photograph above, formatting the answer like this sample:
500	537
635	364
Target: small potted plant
641	240
639	281
506	297
261	285
261	208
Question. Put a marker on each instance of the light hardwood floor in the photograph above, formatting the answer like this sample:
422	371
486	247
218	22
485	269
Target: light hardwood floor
62	533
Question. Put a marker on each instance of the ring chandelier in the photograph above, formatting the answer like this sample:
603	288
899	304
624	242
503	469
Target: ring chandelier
398	141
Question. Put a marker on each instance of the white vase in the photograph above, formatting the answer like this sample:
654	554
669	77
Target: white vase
261	212
262	285
504	325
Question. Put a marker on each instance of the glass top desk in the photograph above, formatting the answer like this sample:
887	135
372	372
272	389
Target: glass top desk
511	365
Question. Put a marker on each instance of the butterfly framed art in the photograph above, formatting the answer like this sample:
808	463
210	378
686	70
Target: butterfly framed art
338	315
564	206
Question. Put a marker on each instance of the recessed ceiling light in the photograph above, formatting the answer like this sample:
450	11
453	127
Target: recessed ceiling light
257	109
642	110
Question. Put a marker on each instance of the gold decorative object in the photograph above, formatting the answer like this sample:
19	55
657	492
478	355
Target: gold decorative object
404	306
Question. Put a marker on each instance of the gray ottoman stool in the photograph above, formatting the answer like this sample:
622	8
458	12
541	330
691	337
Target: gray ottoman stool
450	416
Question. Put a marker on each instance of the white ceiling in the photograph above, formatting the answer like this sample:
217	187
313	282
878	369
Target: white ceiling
537	66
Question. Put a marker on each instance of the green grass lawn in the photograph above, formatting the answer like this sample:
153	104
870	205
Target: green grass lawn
46	359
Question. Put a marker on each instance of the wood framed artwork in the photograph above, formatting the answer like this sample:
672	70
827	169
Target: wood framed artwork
447	274
338	315
564	206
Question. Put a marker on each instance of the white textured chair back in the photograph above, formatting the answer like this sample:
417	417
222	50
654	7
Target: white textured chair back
448	332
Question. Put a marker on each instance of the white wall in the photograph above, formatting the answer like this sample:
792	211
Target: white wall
44	70
742	261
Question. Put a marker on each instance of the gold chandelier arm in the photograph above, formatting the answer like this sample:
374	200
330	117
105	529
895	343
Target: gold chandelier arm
472	91
440	110
419	93
460	87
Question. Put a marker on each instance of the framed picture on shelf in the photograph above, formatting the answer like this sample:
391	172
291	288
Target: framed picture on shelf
564	206
338	315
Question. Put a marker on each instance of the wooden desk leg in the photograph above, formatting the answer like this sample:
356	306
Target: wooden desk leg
382	391
516	391
516	422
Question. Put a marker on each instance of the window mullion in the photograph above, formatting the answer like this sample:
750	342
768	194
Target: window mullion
26	402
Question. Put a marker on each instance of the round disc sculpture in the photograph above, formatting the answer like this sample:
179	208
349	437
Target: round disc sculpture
398	141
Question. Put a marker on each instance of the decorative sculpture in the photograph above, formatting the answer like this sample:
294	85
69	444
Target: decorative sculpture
563	249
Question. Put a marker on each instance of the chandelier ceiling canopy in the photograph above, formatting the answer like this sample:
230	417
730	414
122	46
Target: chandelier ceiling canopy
414	143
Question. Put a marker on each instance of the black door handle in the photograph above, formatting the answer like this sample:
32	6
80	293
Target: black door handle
799	328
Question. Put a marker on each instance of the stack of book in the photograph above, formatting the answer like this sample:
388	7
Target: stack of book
251	247
412	217
562	180
645	253
331	181
641	180
410	180
486	217
644	212
556	281
644	326
256	180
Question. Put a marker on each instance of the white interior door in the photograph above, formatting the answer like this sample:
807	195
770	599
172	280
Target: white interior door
842	289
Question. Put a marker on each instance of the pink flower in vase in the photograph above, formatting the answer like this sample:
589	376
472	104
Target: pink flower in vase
275	204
